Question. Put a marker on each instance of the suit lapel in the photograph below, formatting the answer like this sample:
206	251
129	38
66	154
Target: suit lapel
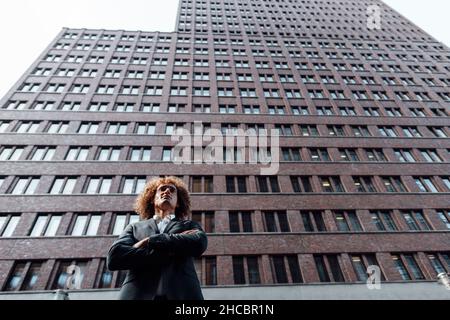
171	224
153	225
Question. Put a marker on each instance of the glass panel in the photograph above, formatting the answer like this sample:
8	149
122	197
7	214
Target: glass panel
279	269
253	270
11	226
32	276
414	267
401	268
321	269
57	185
335	268
53	226
16	276
119	224
106	185
39	226
32	186
93	225
359	267
79	225
238	270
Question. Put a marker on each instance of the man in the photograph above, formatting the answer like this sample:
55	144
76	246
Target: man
158	250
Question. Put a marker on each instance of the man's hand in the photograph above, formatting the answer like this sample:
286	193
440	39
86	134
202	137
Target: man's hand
190	231
141	243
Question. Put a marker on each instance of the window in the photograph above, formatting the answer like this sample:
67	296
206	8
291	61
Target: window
249	264
205	219
319	155
347	221
331	184
360	131
364	184
4	125
153	91
145	128
140	154
416	220
404	155
10	153
63	185
88	128
284	129
42	154
201	184
24	185
411	132
291	154
435	261
375	155
313	221
133	90
425	184
387	131
430	155
64	269
121	220
412	272
279	271
8	224
97	107
236	184
206	269
57	127
240	221
383	220
308	130
328	268
267	184
97	185
276	221
150	107
27	127
361	263
133	185
438	132
109	279
76	88
393	184
46	225
86	224
24	276
301	184
444	216
349	155
77	154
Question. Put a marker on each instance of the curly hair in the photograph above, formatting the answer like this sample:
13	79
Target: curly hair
145	202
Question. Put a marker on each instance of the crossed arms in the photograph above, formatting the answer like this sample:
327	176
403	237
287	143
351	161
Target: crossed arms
126	253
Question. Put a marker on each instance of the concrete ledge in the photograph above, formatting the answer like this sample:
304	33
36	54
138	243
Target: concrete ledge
389	291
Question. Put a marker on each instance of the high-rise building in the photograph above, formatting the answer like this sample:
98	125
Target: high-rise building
362	108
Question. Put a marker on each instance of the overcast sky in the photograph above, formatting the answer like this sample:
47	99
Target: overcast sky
28	26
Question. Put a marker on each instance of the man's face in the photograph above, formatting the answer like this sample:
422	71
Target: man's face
166	197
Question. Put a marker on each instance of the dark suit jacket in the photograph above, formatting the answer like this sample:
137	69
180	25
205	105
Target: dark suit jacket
169	255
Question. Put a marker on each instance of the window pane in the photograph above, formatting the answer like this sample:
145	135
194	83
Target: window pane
11	226
16	276
93	225
79	225
52	226
253	270
39	226
32	276
119	224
